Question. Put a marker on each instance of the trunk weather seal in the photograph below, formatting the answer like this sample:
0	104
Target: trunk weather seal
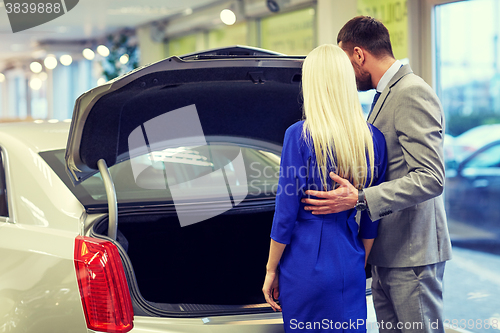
111	197
170	207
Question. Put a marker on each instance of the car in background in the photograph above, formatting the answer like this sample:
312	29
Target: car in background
472	190
475	138
449	151
91	235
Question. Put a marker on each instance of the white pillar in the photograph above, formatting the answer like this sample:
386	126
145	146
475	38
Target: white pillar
51	92
151	51
4	99
201	41
331	16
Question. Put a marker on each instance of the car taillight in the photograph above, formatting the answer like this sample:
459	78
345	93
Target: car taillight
103	286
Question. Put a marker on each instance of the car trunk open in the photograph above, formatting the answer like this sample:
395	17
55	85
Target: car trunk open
216	266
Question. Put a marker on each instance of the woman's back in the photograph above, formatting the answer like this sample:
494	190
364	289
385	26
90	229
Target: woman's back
322	267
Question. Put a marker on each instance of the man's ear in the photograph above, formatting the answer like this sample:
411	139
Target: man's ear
359	55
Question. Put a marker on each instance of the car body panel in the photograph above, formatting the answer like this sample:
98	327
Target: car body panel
38	290
36	205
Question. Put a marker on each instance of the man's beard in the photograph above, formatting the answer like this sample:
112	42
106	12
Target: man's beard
363	79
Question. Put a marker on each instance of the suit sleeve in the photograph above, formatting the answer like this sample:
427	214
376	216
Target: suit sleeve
419	126
290	187
368	229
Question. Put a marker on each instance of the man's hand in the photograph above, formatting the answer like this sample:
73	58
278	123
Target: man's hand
338	200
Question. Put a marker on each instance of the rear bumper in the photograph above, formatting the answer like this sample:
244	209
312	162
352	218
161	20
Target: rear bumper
258	323
252	323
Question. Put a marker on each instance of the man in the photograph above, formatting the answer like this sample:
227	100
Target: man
408	256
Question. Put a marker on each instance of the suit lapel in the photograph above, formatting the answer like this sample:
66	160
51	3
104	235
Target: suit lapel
404	70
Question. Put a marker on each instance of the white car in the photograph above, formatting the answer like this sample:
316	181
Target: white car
475	138
131	219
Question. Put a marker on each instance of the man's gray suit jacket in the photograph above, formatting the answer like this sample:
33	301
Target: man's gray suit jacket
413	230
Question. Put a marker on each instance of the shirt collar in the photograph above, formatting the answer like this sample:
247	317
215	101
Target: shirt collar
388	75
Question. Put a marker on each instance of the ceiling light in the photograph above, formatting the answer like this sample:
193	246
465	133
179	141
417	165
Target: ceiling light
42	76
36	67
66	60
88	54
228	17
103	50
124	59
50	62
35	83
2	77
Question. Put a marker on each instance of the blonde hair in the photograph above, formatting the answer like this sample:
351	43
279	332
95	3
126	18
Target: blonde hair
333	117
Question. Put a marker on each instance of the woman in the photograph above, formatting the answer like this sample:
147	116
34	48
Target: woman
321	258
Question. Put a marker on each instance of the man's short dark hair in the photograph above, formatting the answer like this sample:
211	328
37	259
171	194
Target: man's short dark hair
368	33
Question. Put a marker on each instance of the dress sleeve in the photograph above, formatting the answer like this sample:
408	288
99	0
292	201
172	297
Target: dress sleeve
290	187
367	228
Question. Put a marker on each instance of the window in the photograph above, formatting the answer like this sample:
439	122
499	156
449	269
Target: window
489	158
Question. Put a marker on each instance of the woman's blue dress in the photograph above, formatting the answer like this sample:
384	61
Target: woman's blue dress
321	273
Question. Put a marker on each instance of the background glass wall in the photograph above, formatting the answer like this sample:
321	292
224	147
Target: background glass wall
49	94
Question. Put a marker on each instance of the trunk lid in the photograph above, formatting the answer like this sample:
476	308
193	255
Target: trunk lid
239	91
